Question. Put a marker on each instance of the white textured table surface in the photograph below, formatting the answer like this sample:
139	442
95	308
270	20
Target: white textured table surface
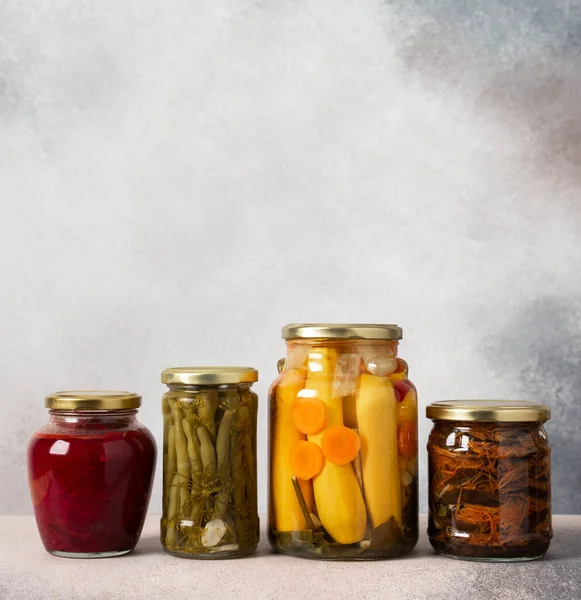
27	572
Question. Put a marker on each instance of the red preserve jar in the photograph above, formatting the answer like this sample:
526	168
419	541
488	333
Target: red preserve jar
90	470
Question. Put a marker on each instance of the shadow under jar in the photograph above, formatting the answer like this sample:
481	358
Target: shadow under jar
343	445
90	472
489	480
210	502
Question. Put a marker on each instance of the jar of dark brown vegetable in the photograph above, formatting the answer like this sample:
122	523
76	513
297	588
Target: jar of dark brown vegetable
489	480
210	500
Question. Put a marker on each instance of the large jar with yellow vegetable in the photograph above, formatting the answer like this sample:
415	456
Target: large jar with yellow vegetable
343	444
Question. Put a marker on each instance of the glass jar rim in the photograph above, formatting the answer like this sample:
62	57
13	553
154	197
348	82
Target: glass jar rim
488	410
363	331
208	375
92	400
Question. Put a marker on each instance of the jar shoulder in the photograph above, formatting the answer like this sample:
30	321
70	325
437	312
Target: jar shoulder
135	442
479	437
130	431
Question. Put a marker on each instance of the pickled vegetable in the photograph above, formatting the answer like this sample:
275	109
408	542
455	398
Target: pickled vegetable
91	499
338	404
377	418
338	497
489	490
286	513
209	488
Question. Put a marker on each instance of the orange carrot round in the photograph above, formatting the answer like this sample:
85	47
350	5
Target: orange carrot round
340	444
407	443
306	459
309	415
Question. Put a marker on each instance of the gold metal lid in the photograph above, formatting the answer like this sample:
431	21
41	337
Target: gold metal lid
503	411
81	400
362	331
209	375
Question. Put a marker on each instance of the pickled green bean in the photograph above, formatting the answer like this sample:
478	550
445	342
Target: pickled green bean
209	400
166	410
196	498
183	460
172	512
207	451
193	445
248	416
170	465
223	458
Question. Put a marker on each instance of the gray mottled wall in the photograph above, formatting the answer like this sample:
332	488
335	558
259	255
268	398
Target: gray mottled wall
178	180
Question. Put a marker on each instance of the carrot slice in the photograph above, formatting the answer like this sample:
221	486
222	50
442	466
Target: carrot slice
309	415
340	444
306	459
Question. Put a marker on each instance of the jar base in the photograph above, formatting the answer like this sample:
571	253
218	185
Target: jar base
111	554
491	560
488	554
217	555
345	553
345	558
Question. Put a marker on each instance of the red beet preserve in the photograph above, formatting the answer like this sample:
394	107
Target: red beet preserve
90	473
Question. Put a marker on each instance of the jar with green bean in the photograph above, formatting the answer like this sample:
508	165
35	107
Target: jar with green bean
210	504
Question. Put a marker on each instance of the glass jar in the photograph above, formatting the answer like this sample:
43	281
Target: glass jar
489	480
343	445
90	472
210	503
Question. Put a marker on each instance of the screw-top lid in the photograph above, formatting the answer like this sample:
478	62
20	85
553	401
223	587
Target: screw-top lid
362	331
209	375
503	411
80	400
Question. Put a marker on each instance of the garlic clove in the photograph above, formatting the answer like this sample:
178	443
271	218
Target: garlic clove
213	532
